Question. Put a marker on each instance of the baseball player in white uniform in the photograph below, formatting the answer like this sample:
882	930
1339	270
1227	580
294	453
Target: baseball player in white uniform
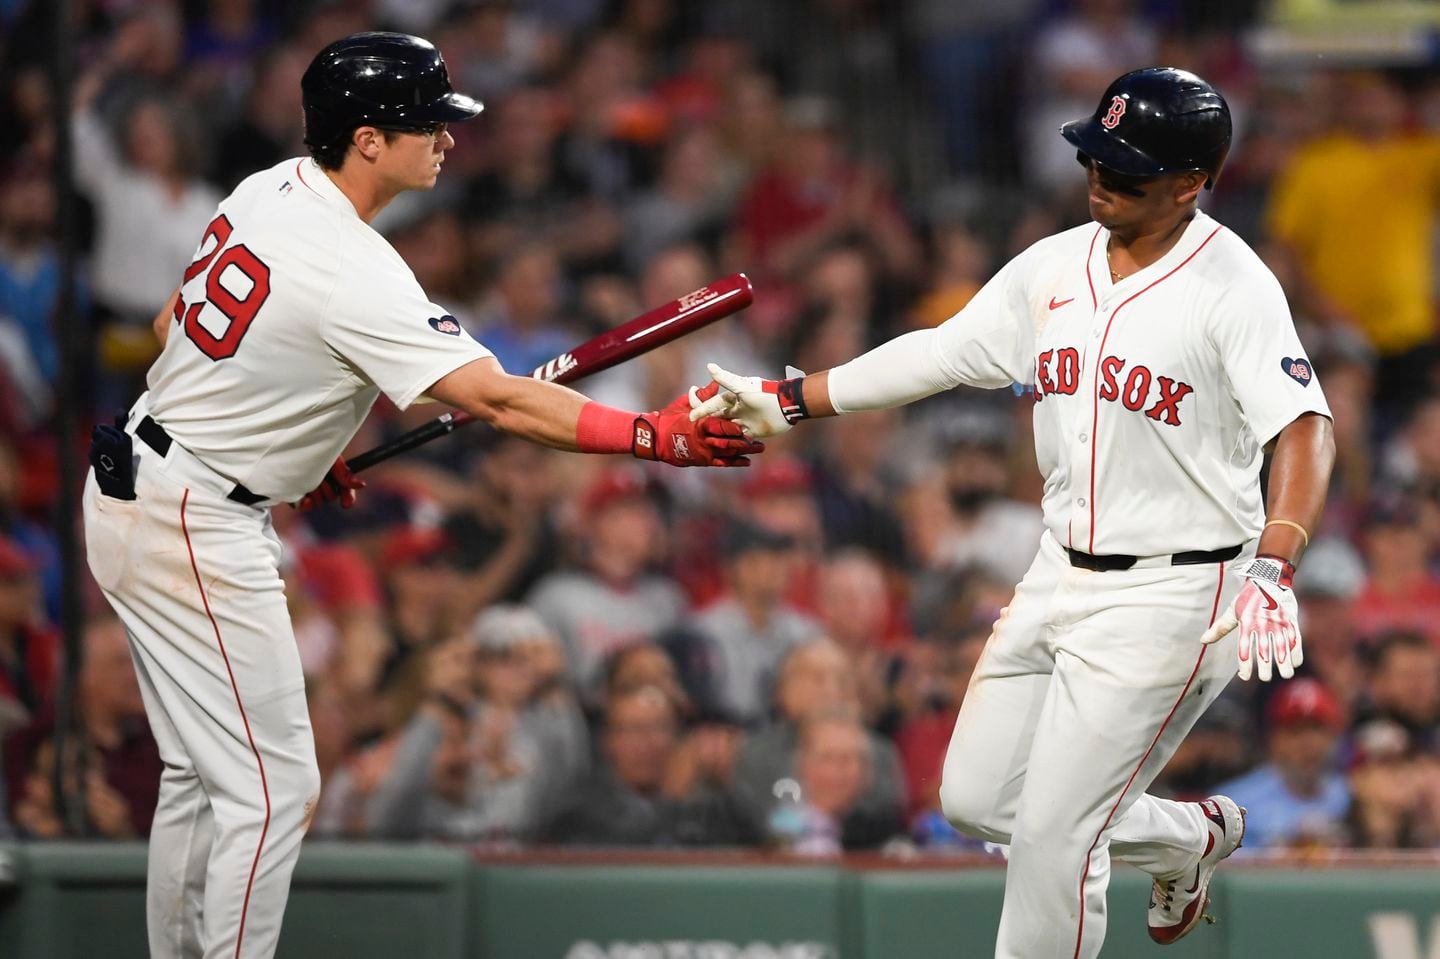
1163	360
291	320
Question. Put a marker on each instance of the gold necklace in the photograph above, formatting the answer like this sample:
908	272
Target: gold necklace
1114	276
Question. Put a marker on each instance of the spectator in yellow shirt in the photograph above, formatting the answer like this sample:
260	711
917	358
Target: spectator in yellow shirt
1355	210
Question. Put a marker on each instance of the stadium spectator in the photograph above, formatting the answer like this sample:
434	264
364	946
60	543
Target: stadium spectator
1404	686
501	524
496	744
647	665
935	687
520	321
24	479
751	630
1219	748
991	528
29	646
529	193
813	195
1385	214
1075	57
612	600
685	205
1396	789
815	682
833	768
778	493
855	609
625	801
421	585
856	483
1334	576
122	765
29	290
151	207
1401	592
1298	797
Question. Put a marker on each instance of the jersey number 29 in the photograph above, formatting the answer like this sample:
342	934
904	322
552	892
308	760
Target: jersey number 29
238	311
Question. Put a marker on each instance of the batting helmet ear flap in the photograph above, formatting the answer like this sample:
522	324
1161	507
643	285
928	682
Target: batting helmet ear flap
1156	121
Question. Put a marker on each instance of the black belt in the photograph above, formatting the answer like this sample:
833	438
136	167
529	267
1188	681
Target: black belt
1117	561
158	440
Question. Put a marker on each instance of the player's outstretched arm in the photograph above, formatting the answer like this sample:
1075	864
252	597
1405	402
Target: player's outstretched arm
561	418
908	368
1265	611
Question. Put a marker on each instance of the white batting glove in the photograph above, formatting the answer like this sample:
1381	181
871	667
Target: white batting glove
762	407
1268	619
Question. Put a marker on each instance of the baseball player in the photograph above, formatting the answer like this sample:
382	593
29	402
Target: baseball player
292	318
1163	361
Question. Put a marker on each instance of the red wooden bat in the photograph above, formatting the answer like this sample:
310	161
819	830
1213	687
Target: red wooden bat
628	340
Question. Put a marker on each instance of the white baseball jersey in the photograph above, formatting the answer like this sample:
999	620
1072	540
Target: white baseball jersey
293	317
1154	395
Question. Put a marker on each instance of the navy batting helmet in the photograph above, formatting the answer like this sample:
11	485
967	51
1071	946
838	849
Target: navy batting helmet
1155	121
390	80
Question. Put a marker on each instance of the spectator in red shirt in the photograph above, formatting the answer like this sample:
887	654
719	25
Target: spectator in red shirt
28	645
1401	592
815	194
122	763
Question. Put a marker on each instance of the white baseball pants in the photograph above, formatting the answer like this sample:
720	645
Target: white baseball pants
1085	689
195	578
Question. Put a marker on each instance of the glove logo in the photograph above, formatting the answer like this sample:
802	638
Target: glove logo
682	445
1298	369
1269	601
1111	119
446	324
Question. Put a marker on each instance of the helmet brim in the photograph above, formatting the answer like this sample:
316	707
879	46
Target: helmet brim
1109	150
450	108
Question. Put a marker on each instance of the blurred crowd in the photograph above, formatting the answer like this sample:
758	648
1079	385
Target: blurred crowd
509	645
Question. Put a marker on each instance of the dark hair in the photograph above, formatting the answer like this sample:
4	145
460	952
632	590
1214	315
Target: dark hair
331	156
1379	650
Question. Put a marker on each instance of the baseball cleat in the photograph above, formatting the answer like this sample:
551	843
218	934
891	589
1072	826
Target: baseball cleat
1178	902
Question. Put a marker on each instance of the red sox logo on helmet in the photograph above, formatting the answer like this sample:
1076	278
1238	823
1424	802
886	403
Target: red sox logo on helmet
1111	119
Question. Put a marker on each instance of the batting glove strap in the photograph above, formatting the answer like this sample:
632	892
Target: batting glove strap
1271	569
791	395
644	437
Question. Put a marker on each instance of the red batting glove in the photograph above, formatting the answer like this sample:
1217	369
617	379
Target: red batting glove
668	435
339	484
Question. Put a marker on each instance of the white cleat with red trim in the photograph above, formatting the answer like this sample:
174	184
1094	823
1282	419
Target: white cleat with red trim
1178	902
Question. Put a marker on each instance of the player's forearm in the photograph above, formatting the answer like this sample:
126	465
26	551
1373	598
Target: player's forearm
533	409
1299	478
906	369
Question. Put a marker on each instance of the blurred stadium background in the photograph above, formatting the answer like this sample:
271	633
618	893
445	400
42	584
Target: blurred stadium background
578	708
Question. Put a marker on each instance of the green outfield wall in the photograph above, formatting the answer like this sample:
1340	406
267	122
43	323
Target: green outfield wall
81	900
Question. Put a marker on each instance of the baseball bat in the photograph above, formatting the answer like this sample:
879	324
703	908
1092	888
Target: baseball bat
644	333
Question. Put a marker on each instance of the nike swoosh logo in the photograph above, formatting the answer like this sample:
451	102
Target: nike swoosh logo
1055	305
1196	884
1271	604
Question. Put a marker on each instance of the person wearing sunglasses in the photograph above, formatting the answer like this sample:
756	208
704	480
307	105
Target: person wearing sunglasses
1163	362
